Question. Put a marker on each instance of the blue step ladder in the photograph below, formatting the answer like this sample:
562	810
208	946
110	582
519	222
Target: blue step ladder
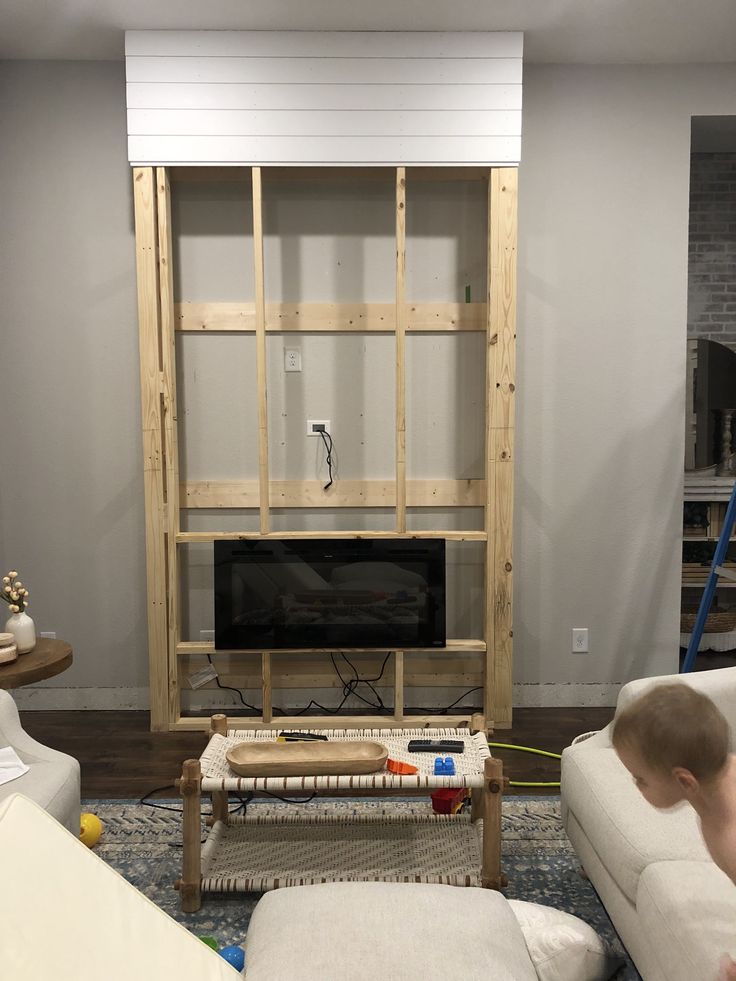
716	572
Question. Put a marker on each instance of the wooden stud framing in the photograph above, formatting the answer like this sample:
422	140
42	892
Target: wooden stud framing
500	399
170	429
149	333
213	536
400	349
343	494
160	317
320	318
399	686
266	685
193	724
260	309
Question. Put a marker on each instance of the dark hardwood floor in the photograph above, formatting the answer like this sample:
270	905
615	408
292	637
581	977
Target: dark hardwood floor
120	758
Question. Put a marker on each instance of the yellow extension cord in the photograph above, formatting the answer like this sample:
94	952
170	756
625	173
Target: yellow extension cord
536	752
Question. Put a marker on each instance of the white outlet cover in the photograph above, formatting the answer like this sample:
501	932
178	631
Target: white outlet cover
313	422
292	360
580	644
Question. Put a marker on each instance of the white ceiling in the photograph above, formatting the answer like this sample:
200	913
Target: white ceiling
556	31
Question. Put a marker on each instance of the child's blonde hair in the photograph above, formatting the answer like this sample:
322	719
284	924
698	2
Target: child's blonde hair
675	725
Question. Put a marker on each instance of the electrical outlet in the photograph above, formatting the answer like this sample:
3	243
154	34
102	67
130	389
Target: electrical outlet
315	426
48	634
580	640
207	636
292	360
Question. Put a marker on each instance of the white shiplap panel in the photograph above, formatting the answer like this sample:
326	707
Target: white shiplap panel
319	44
190	95
315	97
273	150
237	122
333	71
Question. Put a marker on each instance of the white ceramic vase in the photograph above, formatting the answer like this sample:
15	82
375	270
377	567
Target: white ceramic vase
23	629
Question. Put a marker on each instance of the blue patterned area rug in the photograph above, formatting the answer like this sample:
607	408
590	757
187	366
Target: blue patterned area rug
143	843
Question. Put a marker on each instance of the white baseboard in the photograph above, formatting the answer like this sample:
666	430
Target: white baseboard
552	695
570	695
49	699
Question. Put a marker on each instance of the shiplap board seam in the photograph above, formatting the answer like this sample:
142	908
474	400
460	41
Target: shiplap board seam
280	150
253	96
437	44
322	122
333	71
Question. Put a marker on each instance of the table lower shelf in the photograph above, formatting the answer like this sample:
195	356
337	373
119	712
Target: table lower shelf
252	854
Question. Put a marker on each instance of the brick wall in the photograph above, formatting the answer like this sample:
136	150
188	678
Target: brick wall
712	251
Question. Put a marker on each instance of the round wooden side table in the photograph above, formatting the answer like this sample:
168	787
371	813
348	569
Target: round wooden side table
48	657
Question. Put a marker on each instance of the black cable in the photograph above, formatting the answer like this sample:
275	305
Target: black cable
177	810
243	803
464	694
237	691
161	807
288	800
368	681
325	436
446	709
349	688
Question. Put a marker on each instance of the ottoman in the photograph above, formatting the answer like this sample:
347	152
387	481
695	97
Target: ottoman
388	931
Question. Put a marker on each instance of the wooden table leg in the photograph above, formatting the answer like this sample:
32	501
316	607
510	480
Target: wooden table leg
220	810
476	803
490	876
190	890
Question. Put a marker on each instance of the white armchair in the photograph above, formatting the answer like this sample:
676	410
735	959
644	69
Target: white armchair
672	907
52	780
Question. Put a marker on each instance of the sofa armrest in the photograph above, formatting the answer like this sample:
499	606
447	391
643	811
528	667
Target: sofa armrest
719	685
13	734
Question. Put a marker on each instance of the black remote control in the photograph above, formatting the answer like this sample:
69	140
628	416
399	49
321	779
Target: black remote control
300	737
436	746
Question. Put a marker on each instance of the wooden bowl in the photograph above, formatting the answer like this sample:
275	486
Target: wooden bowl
267	759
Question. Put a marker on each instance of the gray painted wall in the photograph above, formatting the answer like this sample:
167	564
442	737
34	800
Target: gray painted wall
602	319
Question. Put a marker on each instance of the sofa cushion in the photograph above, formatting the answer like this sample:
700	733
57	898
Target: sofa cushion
52	784
627	832
688	912
65	914
562	946
367	931
719	685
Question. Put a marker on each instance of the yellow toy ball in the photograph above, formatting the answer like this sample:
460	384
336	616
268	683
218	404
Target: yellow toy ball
90	829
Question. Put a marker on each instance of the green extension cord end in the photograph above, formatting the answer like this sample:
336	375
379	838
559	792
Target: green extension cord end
536	752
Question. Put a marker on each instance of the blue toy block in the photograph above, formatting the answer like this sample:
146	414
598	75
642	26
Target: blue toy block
444	768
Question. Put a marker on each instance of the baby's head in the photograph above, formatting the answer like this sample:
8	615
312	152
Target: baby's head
674	742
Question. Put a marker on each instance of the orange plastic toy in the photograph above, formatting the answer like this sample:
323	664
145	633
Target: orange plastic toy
403	769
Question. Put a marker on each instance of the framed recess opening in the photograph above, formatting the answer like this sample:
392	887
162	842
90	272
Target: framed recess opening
412	355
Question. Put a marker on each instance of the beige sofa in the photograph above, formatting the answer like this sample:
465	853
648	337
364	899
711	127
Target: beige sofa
65	914
52	780
674	910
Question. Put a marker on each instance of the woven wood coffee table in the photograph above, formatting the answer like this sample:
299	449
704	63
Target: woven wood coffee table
252	853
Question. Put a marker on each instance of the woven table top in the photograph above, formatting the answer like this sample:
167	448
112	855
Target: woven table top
217	775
